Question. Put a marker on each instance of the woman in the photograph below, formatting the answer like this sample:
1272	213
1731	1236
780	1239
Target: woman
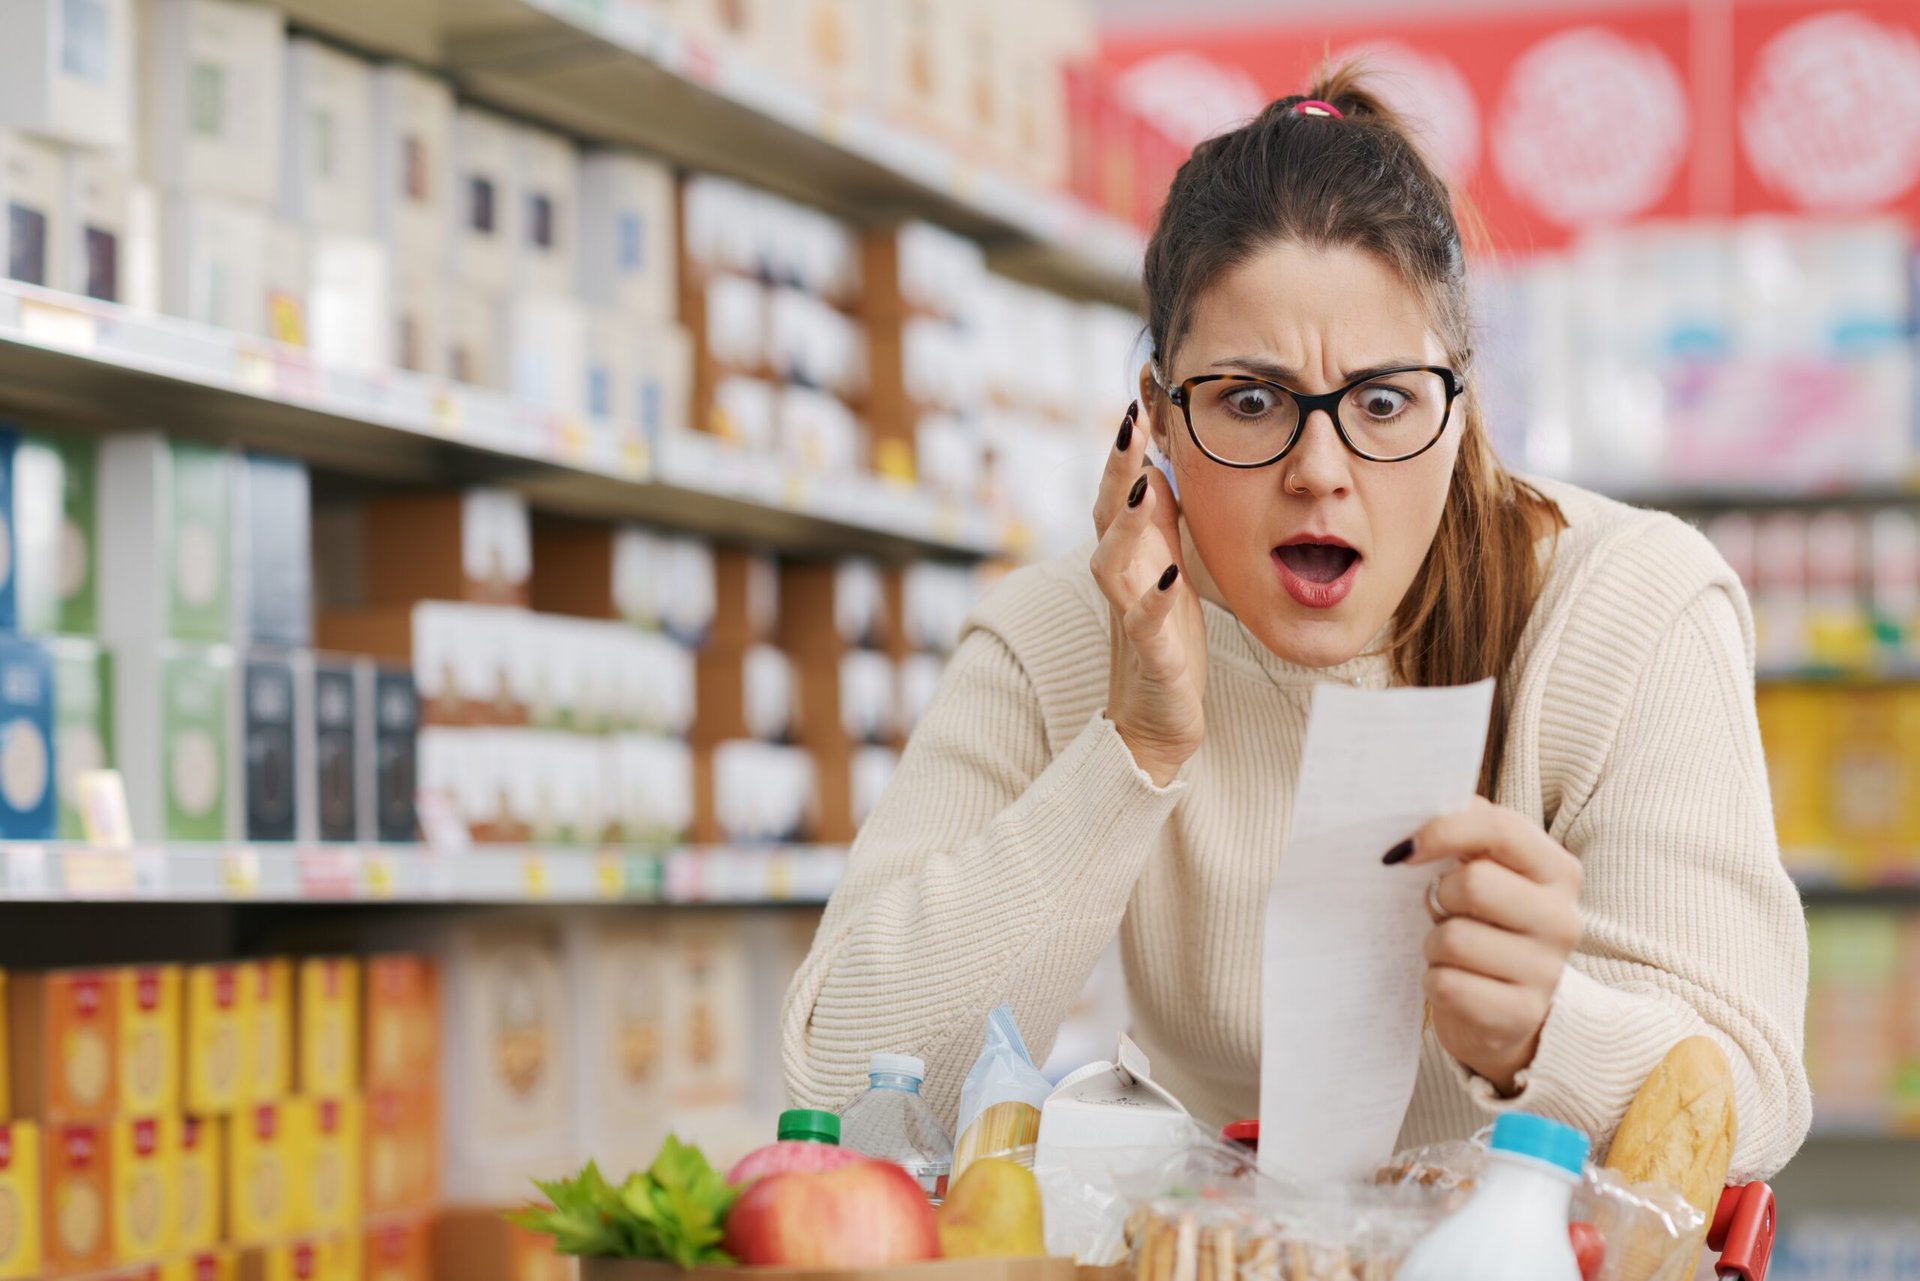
1113	746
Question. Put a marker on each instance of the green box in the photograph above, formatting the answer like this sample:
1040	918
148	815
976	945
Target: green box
199	542
196	692
83	720
55	501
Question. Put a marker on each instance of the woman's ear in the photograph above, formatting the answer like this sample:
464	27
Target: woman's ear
1150	399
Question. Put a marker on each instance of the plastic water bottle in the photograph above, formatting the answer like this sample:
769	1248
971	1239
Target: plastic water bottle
893	1123
1514	1228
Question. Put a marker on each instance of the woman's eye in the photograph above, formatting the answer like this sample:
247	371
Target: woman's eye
1250	402
1382	402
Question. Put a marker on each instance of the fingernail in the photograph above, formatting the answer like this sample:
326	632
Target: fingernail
1166	579
1399	853
1125	437
1138	492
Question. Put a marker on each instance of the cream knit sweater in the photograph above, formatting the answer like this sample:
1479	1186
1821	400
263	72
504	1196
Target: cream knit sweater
1018	837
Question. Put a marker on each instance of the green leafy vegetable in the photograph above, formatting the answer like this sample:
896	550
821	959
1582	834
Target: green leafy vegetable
675	1209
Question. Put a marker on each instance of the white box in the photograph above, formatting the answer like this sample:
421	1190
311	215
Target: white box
66	70
627	256
484	201
546	221
213	263
412	165
910	68
287	276
418	321
474	332
32	188
97	220
546	342
326	169
613	366
215	73
666	380
617	975
348	302
708	1015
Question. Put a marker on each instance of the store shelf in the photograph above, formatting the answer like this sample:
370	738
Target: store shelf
1892	673
99	363
1894	888
1863	494
618	72
238	874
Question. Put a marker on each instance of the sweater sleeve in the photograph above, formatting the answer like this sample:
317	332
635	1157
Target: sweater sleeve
1691	924
993	869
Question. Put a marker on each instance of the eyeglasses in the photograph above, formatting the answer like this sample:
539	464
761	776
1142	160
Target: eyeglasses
1392	415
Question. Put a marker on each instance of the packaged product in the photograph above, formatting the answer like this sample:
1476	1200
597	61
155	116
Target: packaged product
144	1163
78	1188
261	1173
198	1183
402	1048
329	1138
400	1251
202	1265
149	1040
327	1026
216	1039
268	1019
19	1200
1001	1098
63	1036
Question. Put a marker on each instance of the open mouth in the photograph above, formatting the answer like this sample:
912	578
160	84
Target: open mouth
1317	575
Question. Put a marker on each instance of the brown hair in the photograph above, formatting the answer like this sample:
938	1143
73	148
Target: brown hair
1359	181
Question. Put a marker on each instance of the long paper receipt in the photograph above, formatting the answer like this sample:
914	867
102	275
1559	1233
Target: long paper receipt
1340	998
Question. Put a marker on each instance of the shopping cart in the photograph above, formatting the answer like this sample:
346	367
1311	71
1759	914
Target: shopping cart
1742	1232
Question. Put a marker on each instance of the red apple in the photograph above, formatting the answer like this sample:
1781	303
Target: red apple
867	1215
788	1157
1589	1249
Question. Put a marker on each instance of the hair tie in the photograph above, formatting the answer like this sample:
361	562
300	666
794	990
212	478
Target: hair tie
1315	107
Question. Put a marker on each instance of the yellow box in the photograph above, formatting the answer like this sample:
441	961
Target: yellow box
203	1265
62	1042
76	1230
19	1200
261	1194
402	1023
335	1258
1796	731
149	1040
327	1027
143	1188
216	1039
198	1186
330	1145
346	1256
269	1049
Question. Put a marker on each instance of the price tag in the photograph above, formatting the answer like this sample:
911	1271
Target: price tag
536	879
150	873
58	326
240	873
609	877
965	181
833	125
683	878
779	877
449	411
646	874
569	436
91	873
379	877
26	870
946	522
253	369
794	490
635	458
328	874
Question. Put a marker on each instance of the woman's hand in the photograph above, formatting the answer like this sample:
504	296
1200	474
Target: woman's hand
1159	666
1512	918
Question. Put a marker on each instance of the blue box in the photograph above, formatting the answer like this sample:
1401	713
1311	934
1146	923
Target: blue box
29	794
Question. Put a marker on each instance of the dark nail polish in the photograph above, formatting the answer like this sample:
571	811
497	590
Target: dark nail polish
1125	437
1399	853
1166	579
1138	492
1133	410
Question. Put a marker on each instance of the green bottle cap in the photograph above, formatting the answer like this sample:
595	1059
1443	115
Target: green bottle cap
809	1126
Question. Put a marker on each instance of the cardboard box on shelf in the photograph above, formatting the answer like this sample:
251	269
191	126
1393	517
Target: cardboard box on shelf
547	178
212	262
743	694
32	188
98	222
402	1173
273	502
174	733
419	321
199	1181
145	1160
54	506
276	724
20	1190
263	1173
846	698
402	1021
546	346
412	164
166	516
83	722
1853	1036
202	1265
475	334
590	569
327	1026
1868	768
78	1196
627	258
457	653
709	1024
216	1039
485	200
329	1134
334	776
620	1105
307	1259
475	545
287	276
67	71
151	1018
267	1014
63	1028
746	596
749	792
832	606
665	371
214	73
388	754
349	299
29	791
479	1245
326	157
911	66
399	1251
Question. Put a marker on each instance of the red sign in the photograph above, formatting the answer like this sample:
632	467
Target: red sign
223	987
146	990
87	990
145	1135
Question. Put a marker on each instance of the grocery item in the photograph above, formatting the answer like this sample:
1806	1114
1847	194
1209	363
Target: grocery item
1001	1097
671	1210
871	1214
77	1231
399	1252
892	1122
144	1178
1679	1129
63	1045
29	808
795	1155
268	1022
328	1137
327	1026
19	1200
993	1211
150	1021
198	1183
1515	1224
261	1175
216	1039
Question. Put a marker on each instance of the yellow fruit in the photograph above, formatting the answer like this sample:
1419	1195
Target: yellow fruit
992	1212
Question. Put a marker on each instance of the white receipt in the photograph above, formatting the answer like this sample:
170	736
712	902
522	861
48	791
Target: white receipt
1340	998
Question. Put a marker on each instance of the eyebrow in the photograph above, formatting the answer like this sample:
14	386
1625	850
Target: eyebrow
1261	367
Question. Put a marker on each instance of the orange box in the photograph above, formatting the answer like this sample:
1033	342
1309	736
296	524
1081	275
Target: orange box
269	1022
327	1027
402	1023
20	1197
145	1151
216	1039
261	1195
401	1251
479	1245
402	1152
203	1265
150	1024
63	1045
198	1183
330	1145
6	1062
77	1199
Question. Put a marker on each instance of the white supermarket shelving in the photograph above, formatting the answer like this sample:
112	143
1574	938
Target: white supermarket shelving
103	363
617	71
370	874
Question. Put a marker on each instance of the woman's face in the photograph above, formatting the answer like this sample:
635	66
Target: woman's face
1314	553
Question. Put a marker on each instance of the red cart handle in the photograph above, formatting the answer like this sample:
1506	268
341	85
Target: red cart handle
1742	1232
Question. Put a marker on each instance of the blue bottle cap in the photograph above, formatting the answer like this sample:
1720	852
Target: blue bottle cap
1544	1140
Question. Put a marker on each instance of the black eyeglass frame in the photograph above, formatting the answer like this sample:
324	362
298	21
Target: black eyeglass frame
1329	402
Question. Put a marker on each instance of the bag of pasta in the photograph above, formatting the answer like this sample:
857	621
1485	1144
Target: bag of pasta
1001	1097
